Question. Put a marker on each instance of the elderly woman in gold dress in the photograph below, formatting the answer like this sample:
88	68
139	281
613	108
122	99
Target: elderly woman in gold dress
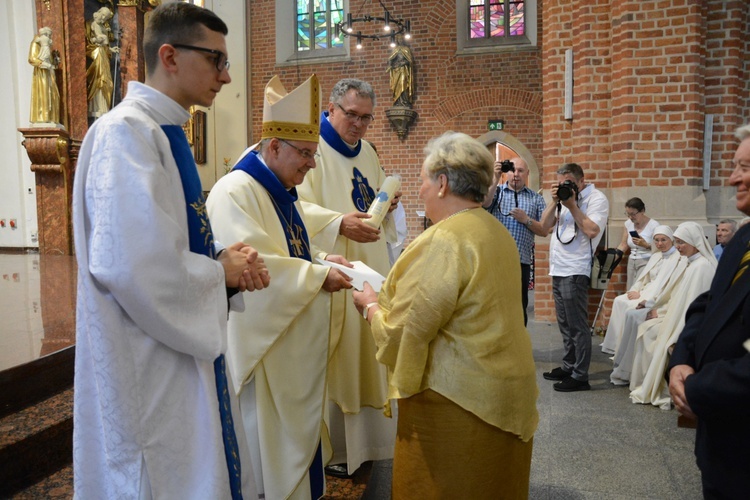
448	325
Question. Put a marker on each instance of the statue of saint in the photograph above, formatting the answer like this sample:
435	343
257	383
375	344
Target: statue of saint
99	73
45	96
400	65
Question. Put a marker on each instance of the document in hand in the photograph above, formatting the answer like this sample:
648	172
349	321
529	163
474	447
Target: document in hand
360	273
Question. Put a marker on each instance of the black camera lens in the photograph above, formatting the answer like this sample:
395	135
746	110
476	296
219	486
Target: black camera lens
507	166
566	189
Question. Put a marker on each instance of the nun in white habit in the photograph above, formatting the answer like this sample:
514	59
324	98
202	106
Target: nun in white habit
656	336
651	282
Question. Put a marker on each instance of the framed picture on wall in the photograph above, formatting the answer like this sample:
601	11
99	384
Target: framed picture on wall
199	137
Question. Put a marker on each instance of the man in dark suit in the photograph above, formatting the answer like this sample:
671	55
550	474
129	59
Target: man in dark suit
709	371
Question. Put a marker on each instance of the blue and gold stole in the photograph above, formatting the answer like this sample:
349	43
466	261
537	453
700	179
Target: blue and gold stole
283	201
202	242
299	247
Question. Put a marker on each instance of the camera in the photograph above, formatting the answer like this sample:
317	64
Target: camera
566	189
507	166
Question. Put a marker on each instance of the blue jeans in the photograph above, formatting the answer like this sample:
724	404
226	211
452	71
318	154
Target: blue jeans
571	295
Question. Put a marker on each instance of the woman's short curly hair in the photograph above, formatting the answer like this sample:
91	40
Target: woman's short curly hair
466	162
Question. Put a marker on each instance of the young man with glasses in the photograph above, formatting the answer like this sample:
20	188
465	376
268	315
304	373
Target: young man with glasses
279	362
335	197
155	412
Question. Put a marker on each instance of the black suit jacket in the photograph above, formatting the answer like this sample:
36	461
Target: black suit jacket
717	323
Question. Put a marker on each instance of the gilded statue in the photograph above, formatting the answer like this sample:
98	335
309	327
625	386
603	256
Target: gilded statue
99	73
45	96
400	65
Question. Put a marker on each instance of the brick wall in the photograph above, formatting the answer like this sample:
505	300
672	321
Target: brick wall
646	73
452	92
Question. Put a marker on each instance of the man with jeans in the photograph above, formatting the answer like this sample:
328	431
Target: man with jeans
519	209
578	213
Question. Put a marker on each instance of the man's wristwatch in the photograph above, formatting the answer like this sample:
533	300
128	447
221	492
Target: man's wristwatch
529	222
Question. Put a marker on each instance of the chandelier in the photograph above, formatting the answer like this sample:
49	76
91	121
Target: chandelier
386	27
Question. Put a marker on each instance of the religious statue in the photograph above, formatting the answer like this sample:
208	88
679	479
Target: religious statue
45	96
99	73
400	64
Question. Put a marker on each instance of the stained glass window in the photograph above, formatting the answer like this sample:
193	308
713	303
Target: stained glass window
496	19
316	24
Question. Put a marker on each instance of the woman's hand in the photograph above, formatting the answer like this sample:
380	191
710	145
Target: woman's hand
366	296
640	242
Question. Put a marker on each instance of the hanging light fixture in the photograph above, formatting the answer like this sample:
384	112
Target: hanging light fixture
391	27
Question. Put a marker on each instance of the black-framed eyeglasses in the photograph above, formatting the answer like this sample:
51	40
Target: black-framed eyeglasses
220	58
304	153
633	214
354	117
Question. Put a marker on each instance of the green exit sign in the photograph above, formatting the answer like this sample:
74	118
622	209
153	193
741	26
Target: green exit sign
495	124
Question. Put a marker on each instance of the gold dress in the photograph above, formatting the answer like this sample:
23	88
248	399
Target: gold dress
460	362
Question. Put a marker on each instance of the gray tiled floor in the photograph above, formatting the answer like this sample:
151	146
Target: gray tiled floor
595	444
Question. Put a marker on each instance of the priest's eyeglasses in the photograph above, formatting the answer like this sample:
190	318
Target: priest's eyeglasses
304	153
220	58
354	117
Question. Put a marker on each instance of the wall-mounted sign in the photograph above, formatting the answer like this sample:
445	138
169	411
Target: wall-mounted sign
495	124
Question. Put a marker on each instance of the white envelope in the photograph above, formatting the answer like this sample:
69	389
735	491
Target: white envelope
360	273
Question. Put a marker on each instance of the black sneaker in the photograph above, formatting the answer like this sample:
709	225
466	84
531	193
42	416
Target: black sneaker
571	385
556	374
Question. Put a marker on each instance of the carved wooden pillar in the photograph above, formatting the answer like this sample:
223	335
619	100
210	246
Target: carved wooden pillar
53	150
49	152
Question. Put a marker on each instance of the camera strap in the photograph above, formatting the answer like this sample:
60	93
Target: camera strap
557	227
499	199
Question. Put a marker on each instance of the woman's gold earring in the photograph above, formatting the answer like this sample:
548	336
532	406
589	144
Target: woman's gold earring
440	194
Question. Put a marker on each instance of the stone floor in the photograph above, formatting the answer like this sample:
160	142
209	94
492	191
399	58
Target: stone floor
595	444
589	445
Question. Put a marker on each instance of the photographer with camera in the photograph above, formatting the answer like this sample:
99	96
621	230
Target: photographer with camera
578	213
519	209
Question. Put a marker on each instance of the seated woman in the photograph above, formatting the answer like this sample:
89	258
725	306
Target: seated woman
636	238
655	275
634	318
660	331
448	324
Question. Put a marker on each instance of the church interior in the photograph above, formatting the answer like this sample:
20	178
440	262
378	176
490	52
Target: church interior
645	96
